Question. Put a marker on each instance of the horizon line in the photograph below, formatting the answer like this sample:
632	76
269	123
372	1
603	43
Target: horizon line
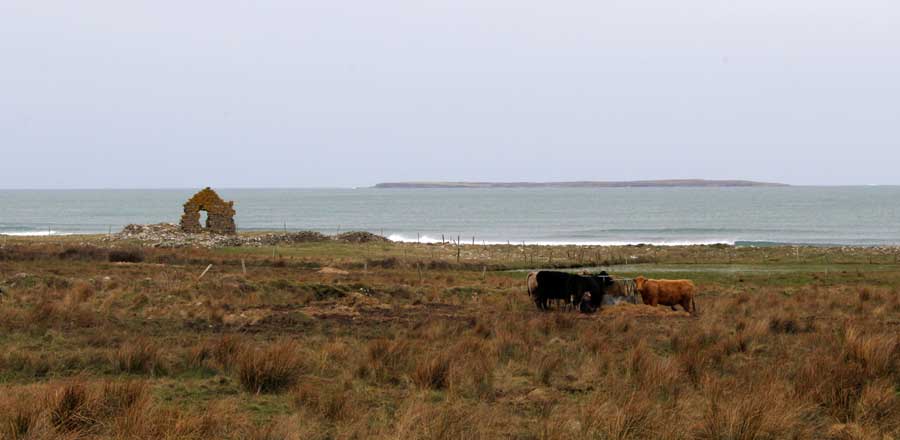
348	187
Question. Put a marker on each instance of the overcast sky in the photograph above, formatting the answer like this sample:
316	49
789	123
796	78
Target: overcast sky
297	93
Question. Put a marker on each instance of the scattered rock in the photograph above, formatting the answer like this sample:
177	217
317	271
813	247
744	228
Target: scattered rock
272	239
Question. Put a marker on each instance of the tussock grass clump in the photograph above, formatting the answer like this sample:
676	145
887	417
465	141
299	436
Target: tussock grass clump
879	354
139	356
763	411
19	414
71	408
472	369
878	404
270	369
226	351
465	369
64	313
333	401
433	371
386	360
832	383
418	419
79	406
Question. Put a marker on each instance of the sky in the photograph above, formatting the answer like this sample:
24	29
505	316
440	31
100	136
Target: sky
297	93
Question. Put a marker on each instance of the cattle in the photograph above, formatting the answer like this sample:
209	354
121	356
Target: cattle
667	292
547	285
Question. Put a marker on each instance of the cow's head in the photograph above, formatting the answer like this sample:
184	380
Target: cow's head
604	279
639	283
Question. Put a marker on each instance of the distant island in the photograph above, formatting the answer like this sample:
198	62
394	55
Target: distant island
668	183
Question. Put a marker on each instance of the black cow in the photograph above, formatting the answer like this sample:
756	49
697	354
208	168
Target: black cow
571	288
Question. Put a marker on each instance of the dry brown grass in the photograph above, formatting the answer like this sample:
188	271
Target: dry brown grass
272	368
140	356
287	352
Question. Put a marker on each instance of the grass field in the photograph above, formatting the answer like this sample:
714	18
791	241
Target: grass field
330	340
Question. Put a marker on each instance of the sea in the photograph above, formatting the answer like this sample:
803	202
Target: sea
747	216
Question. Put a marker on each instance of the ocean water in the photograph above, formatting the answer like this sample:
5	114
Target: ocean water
801	215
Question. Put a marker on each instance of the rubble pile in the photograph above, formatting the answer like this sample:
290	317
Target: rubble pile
360	237
276	238
168	235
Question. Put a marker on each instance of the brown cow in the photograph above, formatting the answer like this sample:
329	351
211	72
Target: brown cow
667	292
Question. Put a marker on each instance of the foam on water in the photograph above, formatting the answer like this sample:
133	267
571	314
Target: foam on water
426	239
32	233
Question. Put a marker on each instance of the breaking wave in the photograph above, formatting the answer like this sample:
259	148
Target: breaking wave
427	239
32	233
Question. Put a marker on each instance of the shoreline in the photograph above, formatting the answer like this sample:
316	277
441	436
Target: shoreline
396	238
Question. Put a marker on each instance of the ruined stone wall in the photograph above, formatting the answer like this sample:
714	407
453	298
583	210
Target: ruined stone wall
219	214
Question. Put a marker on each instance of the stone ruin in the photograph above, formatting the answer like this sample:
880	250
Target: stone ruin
219	214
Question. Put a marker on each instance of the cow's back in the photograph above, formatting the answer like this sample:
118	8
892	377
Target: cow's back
552	284
670	292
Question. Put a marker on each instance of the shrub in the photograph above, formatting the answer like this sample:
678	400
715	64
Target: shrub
271	369
135	255
88	253
386	263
